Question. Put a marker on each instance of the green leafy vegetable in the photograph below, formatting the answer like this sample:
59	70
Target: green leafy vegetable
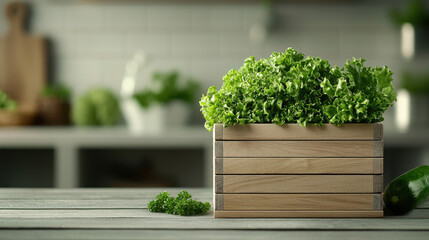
169	90
7	103
182	205
56	91
96	107
290	88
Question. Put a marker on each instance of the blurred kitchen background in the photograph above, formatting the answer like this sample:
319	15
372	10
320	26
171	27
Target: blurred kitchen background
100	53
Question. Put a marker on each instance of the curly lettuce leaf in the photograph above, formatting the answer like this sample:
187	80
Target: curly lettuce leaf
290	88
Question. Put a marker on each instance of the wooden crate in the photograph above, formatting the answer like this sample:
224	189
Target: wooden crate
266	170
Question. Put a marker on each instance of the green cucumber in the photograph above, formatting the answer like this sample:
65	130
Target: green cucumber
407	191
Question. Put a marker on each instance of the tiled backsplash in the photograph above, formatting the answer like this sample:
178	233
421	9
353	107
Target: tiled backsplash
93	40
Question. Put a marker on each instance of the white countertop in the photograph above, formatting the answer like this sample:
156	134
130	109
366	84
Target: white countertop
102	136
121	136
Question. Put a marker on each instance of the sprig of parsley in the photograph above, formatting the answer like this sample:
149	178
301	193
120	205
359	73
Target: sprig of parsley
182	205
290	88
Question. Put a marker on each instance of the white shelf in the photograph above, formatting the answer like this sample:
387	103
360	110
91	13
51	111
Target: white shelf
66	141
100	137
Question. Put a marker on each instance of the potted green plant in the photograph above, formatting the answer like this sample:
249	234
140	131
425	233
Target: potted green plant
291	130
54	105
165	103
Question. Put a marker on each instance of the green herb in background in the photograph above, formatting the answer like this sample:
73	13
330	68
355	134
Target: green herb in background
288	88
96	107
169	90
7	103
56	91
416	84
182	205
415	14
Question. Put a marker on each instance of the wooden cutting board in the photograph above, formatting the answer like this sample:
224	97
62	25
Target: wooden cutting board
22	60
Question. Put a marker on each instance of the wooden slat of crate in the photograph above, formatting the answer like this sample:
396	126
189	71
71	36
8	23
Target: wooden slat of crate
298	149
298	214
299	165
263	131
298	183
298	202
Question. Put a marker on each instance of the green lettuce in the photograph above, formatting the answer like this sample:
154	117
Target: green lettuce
291	88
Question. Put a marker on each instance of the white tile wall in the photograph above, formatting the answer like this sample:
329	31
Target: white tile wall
201	16
80	17
93	40
100	45
189	44
125	18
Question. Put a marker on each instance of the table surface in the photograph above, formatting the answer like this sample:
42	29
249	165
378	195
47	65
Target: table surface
122	214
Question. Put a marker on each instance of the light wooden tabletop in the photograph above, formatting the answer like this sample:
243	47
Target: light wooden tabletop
123	214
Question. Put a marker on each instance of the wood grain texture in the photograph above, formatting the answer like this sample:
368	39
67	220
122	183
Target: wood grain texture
68	222
79	223
214	170
377	201
22	60
298	214
77	203
378	148
166	222
299	183
219	203
218	149
378	183
157	221
378	131
219	182
266	131
299	165
298	202
298	149
220	234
